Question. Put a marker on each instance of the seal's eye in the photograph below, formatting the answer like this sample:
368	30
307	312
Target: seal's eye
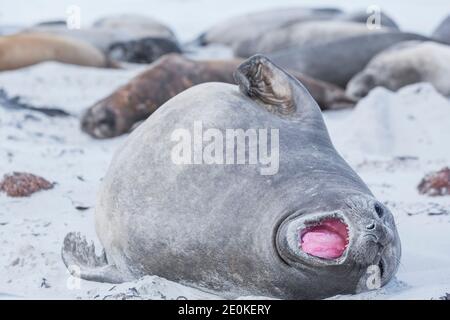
379	210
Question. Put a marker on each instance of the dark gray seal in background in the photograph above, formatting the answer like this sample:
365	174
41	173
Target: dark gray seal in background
227	228
338	61
241	31
233	31
302	34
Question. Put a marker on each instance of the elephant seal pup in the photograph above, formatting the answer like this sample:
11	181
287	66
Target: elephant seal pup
233	31
302	34
22	50
404	64
134	102
338	61
442	32
306	228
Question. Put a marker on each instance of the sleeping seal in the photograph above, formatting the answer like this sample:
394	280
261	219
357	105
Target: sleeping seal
240	32
124	37
302	34
237	29
338	61
139	98
403	64
305	226
22	50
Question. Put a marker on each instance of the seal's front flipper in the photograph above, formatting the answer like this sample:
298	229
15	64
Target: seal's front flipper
81	260
260	79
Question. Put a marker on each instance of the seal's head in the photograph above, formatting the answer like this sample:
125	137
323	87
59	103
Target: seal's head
120	112
345	239
107	118
358	242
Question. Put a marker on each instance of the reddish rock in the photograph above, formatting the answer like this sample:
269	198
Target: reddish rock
21	184
436	183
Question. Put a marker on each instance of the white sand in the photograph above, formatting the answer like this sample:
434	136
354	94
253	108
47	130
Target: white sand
391	139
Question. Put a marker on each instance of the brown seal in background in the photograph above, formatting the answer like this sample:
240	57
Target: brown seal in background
25	49
168	76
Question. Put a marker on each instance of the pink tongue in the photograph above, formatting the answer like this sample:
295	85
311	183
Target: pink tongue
327	240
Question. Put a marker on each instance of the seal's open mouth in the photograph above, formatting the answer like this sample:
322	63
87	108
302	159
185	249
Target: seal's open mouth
328	239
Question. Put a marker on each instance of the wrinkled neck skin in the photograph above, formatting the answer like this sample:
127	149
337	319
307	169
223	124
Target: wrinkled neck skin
338	233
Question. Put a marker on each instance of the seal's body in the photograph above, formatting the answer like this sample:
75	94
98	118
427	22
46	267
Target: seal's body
170	75
241	32
406	63
338	61
302	34
21	50
307	230
233	31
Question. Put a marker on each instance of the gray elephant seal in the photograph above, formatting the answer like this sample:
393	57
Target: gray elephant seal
442	31
240	32
118	113
302	34
307	230
338	61
235	30
22	50
404	64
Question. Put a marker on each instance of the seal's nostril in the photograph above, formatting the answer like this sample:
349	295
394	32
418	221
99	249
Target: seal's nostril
370	226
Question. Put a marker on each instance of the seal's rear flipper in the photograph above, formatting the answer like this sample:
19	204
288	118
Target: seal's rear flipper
81	261
261	80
